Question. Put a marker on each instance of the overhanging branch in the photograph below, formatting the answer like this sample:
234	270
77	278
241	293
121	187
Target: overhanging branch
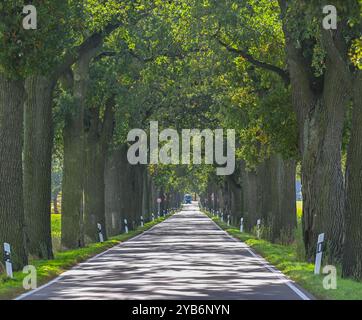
247	56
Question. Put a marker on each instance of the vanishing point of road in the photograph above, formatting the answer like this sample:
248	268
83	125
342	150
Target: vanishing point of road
185	257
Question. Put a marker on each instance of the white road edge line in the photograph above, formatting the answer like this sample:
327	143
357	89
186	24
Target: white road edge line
26	294
265	264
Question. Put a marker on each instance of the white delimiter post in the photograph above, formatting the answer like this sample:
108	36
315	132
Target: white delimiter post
159	200
125	226
153	217
241	224
100	234
7	260
141	221
258	223
318	257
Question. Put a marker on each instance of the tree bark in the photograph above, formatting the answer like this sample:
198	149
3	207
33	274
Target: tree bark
99	134
249	186
320	115
38	143
352	255
236	198
11	173
74	160
322	178
283	218
113	195
72	188
264	198
139	176
120	188
94	188
145	192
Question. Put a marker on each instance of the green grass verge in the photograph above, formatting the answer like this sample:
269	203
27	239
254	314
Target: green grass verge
287	260
49	269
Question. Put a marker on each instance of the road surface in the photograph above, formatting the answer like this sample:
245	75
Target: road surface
185	257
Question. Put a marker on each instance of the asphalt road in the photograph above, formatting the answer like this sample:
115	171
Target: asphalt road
185	257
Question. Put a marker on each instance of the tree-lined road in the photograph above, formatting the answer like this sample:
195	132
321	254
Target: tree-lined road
185	257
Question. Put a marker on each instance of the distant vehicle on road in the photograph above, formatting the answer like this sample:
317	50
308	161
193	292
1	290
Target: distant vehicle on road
188	198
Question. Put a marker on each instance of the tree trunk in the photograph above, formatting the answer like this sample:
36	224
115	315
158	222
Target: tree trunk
74	160
139	192
352	255
215	204
221	198
236	203
113	195
94	203
283	219
250	198
161	195
152	197
11	173
320	115
72	188
145	191
264	198
127	186
99	134
38	143
209	196
322	179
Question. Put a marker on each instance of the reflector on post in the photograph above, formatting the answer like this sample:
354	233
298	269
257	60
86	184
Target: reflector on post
319	254
7	260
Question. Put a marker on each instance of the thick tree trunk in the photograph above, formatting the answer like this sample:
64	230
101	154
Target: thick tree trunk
249	186
134	192
11	173
94	189
352	255
236	198
126	177
283	219
113	194
264	198
99	134
153	197
38	143
322	179
216	197
74	160
320	115
145	193
226	198
72	187
139	193
209	202
161	195
221	198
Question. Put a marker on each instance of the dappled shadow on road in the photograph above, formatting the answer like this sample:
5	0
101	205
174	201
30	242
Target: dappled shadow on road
185	257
